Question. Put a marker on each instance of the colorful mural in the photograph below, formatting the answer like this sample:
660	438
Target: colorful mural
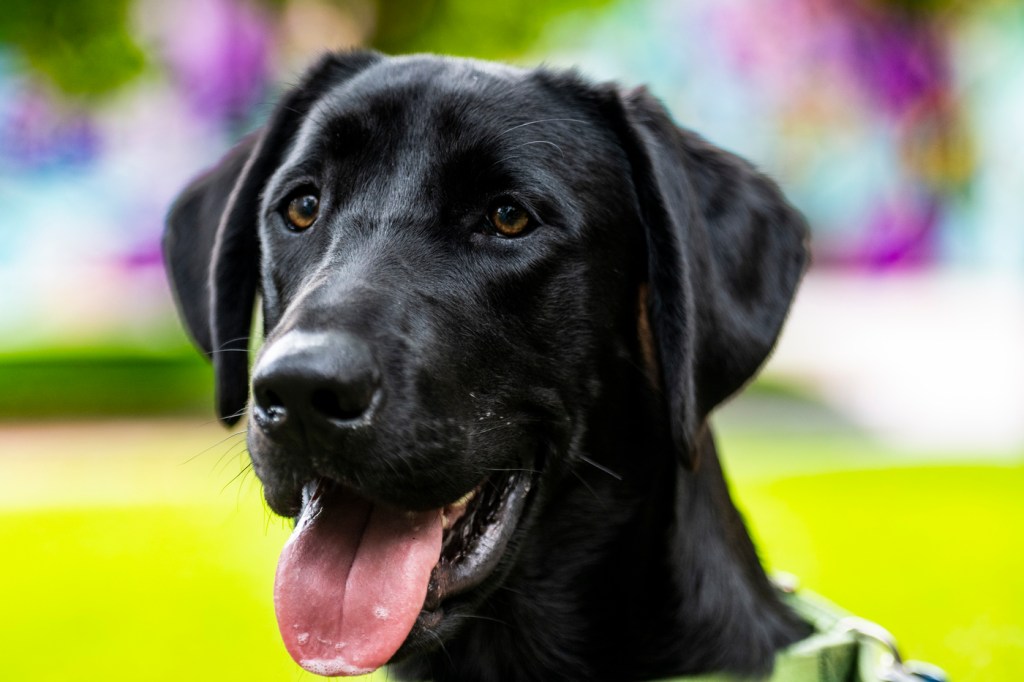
894	125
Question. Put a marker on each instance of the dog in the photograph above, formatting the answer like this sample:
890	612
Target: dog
498	306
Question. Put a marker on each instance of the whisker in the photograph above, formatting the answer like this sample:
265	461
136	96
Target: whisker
246	472
501	425
440	643
601	467
473	616
230	341
584	482
234	451
237	476
233	415
562	153
511	590
228	437
504	159
269	516
541	120
509	470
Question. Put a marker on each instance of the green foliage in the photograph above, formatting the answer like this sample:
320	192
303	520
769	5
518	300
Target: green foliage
83	47
938	7
96	383
487	30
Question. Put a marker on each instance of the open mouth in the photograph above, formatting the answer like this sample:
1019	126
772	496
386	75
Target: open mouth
355	575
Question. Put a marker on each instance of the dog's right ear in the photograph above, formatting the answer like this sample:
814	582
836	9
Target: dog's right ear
725	252
211	244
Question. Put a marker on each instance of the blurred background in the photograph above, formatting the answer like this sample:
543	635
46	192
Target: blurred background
880	457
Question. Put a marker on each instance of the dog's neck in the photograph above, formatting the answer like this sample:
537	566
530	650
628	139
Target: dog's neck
651	574
681	589
726	602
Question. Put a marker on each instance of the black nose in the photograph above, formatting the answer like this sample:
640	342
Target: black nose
308	381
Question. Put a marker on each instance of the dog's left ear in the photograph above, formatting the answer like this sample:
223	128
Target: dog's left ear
725	252
211	245
201	233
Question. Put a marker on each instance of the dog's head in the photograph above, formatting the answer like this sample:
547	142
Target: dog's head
463	269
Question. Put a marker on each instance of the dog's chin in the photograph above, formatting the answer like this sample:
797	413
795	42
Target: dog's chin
362	583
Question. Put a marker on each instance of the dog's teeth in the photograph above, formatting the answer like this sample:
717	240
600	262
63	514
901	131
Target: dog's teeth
454	511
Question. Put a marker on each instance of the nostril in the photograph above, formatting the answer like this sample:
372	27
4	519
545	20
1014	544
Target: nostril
331	405
270	409
274	406
271	401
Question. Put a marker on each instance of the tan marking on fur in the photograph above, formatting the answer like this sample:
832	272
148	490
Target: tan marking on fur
646	337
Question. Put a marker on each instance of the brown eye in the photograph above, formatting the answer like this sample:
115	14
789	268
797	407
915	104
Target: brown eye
302	211
510	220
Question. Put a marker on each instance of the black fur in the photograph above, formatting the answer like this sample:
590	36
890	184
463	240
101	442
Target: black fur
590	349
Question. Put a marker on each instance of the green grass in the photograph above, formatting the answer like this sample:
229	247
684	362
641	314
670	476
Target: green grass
101	382
136	551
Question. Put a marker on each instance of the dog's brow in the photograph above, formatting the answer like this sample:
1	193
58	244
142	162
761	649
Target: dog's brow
300	171
541	120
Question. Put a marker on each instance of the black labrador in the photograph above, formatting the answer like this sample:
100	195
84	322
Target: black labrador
498	306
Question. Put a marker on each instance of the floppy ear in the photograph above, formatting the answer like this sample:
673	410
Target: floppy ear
725	252
211	244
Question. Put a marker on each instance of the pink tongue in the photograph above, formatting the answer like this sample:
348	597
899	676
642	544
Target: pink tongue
351	581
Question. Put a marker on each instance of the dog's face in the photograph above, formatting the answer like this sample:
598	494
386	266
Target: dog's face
445	277
458	264
435	320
